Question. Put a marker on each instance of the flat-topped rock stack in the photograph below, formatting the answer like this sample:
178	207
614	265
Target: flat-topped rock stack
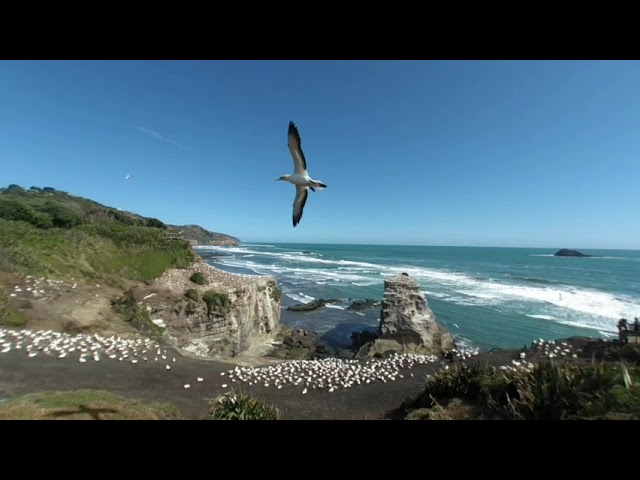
407	324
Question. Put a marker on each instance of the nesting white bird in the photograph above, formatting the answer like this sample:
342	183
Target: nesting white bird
300	177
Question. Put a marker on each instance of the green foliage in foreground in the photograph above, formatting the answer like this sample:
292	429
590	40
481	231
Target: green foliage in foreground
550	391
46	232
240	406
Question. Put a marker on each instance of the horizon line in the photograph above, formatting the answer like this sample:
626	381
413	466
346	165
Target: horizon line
432	245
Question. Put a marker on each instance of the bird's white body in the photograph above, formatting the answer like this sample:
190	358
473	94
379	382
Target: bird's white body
303	180
300	177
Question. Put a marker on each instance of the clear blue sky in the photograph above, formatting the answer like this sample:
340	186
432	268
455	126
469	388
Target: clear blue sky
504	153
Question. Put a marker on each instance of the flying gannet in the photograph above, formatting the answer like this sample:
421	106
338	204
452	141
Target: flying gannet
300	177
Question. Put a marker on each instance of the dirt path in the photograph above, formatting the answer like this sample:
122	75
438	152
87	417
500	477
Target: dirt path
152	381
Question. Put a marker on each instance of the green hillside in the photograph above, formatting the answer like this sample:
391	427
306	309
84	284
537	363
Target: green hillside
48	232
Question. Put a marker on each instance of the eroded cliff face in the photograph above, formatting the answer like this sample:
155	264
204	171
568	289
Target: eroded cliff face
227	315
407	324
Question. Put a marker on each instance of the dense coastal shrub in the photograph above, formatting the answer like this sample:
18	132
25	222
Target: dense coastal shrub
216	302
198	278
550	391
240	406
61	217
14	210
192	294
155	223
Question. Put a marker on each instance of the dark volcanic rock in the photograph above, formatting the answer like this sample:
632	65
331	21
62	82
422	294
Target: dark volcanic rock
312	305
307	307
301	344
358	339
363	304
565	252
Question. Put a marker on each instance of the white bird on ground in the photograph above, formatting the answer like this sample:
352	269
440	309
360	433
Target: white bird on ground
300	177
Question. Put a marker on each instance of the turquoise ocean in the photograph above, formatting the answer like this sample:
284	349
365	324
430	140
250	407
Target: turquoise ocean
487	297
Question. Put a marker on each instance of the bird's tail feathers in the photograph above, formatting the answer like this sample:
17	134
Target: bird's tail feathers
318	185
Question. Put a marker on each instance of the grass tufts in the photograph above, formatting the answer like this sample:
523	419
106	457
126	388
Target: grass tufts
240	406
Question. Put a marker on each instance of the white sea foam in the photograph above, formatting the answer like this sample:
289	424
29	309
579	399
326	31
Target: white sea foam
627	259
293	256
543	317
300	297
463	343
570	305
592	302
337	307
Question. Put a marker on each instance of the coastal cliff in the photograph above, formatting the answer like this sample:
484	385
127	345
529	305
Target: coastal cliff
407	324
70	264
220	316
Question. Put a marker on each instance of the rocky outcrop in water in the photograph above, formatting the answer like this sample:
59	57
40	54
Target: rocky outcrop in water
308	307
407	324
365	304
565	252
227	315
317	303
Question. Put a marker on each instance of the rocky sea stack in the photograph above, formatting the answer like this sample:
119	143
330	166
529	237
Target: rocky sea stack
407	324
